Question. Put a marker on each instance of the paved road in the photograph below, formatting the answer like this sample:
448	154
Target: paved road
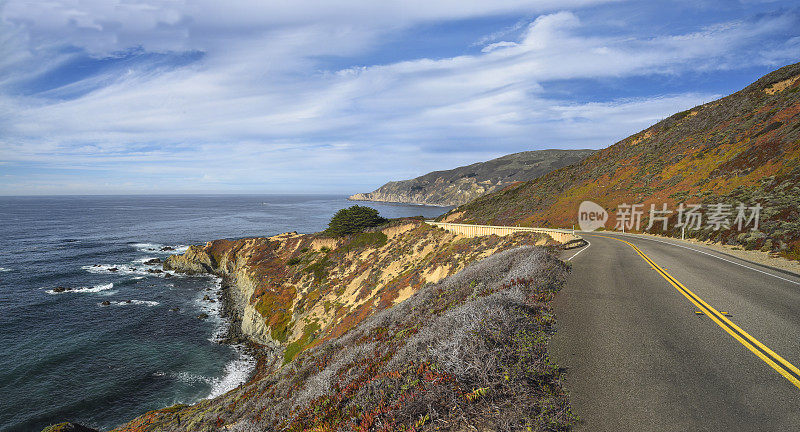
638	358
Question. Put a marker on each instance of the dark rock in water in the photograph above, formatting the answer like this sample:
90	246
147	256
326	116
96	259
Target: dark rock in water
154	261
96	265
59	289
155	271
105	303
167	248
167	275
127	301
212	301
68	427
132	268
202	316
175	309
206	298
113	269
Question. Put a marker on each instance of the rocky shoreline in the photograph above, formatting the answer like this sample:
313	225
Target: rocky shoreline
266	358
378	196
233	336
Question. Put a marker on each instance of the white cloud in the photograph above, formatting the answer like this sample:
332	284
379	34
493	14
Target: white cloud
104	26
257	107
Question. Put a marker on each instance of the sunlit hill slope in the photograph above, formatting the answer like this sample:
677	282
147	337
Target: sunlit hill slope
741	148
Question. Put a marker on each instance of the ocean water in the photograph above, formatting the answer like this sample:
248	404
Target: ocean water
65	356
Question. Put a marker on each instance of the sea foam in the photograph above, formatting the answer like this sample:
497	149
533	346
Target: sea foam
236	372
94	289
135	302
156	248
214	310
125	269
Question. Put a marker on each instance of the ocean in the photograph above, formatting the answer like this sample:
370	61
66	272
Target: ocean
67	356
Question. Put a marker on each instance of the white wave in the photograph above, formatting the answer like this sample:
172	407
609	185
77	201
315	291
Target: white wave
3	269
125	269
157	248
143	260
144	247
94	289
97	288
135	302
236	372
214	310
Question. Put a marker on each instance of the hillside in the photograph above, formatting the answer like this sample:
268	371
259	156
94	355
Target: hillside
394	329
463	184
742	148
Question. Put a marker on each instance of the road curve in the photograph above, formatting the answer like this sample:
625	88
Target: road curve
639	358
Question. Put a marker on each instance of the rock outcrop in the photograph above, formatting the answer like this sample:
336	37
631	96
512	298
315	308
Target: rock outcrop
68	427
463	184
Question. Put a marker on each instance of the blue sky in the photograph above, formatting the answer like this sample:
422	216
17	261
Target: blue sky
122	96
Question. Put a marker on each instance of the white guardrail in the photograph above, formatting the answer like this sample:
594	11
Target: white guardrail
562	236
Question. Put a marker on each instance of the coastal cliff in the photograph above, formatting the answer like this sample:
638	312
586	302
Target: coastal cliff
407	327
291	291
463	184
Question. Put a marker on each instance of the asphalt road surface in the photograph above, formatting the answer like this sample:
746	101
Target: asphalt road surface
639	357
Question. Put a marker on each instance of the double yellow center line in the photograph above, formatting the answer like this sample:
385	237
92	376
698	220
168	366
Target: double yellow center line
783	367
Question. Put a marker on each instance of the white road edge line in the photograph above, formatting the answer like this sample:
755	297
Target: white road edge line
576	253
717	257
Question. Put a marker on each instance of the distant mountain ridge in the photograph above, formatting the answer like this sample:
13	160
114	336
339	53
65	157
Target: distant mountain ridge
463	184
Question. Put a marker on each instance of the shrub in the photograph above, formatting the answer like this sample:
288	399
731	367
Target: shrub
293	261
353	220
373	239
319	269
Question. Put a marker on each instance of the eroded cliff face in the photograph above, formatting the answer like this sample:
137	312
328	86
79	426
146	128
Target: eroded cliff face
293	291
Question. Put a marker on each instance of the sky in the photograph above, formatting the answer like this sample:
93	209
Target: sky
341	96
